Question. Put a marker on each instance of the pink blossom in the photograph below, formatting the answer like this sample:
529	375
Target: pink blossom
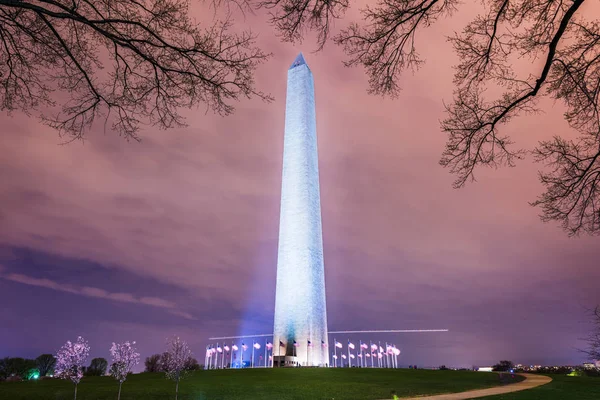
70	360
174	360
124	358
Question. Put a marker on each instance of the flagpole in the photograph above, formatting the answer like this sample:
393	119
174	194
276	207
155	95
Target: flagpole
387	355
265	353
361	356
349	359
307	348
215	362
223	358
335	353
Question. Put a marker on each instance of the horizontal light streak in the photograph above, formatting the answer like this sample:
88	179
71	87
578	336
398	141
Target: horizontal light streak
396	331
241	337
336	332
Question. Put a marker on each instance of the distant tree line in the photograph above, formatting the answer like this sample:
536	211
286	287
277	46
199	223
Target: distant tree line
19	368
69	363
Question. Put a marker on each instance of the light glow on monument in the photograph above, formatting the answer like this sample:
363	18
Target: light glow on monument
300	307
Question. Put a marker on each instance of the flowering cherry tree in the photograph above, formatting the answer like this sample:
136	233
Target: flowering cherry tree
174	360
70	360
124	358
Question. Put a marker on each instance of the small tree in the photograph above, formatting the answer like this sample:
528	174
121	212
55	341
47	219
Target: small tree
70	359
97	367
174	360
152	363
191	364
124	357
45	364
503	366
593	350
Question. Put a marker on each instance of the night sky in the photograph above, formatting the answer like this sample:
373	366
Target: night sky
177	234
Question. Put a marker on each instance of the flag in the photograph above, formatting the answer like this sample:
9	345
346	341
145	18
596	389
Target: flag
338	345
208	353
295	344
257	346
269	345
309	344
226	348
244	347
281	344
380	349
373	347
219	349
351	355
379	355
334	356
323	344
359	355
350	345
367	355
344	356
234	347
363	345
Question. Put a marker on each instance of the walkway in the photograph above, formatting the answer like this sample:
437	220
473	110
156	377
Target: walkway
531	381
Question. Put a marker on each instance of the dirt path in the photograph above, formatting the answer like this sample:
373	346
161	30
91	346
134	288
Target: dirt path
531	381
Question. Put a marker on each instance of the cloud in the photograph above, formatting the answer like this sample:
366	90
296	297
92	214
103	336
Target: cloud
97	293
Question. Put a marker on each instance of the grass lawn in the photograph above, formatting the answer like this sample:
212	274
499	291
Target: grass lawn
562	387
249	384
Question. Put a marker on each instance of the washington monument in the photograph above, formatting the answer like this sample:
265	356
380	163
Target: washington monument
300	331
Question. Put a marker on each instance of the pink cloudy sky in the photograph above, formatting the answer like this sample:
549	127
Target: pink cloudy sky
178	234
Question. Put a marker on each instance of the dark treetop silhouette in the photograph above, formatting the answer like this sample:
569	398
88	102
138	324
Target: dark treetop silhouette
554	31
159	60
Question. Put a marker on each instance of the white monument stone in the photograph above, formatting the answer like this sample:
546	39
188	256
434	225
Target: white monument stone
300	307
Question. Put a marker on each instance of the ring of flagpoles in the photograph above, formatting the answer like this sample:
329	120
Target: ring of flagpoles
386	358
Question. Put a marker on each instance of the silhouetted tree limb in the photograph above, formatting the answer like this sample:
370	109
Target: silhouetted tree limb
385	45
292	18
490	93
138	60
593	340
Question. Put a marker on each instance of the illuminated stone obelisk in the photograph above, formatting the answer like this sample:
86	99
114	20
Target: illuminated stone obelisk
300	309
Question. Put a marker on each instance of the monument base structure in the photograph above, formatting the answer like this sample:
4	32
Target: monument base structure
285	361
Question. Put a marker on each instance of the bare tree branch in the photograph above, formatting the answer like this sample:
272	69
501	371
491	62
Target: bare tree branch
572	186
593	350
292	18
159	62
385	45
472	123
